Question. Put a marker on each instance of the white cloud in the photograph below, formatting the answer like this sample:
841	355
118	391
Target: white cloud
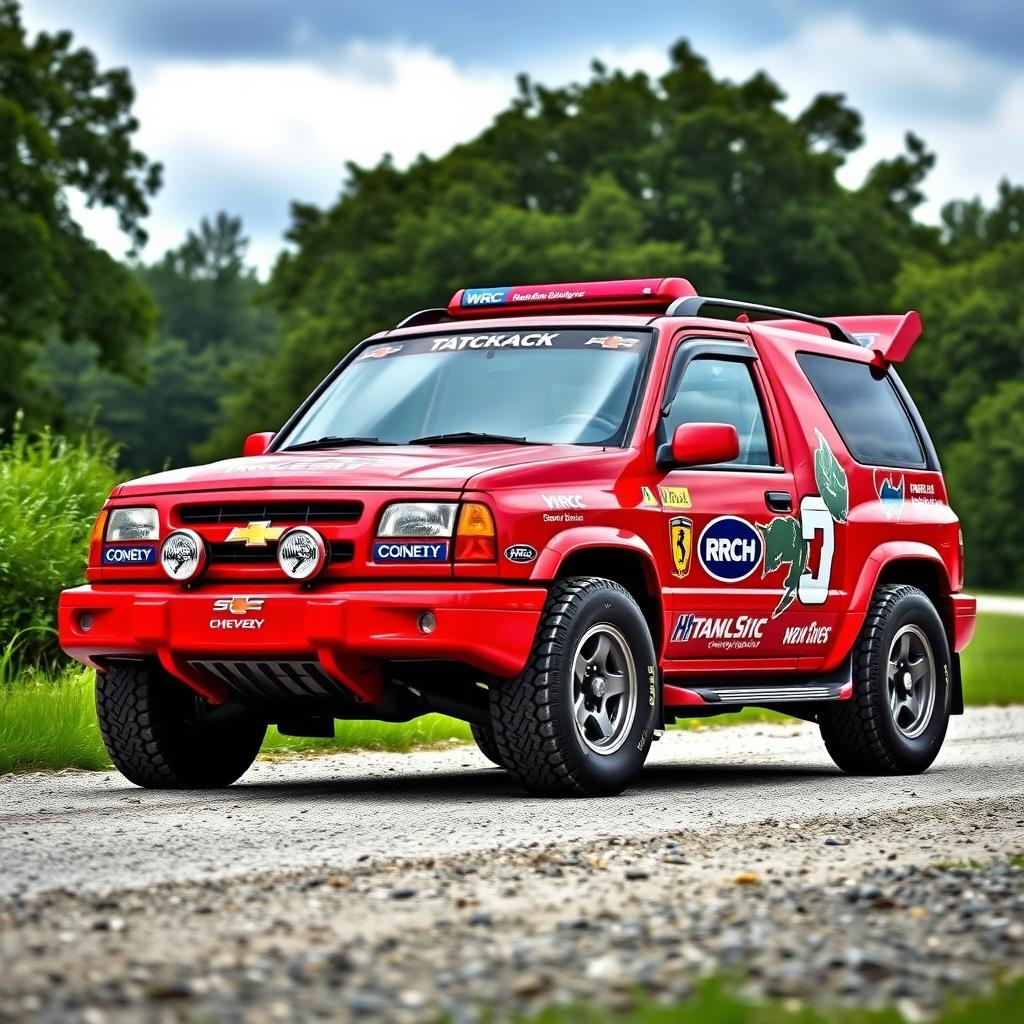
282	130
249	136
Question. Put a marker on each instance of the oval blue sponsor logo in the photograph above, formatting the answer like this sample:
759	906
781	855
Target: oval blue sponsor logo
730	549
520	553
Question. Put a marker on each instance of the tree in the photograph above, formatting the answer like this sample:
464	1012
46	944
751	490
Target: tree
622	175
213	327
65	125
985	474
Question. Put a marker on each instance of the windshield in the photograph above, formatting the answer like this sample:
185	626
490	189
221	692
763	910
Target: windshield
556	387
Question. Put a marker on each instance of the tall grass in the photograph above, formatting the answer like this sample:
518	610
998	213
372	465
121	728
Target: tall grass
50	492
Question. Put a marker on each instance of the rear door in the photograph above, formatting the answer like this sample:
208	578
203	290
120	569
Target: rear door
717	516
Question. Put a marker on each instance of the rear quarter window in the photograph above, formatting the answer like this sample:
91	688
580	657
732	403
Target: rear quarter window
866	410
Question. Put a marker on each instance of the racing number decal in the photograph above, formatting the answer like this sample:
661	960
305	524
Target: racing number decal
815	518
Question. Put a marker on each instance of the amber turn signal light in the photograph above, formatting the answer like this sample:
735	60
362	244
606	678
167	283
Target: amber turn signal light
474	535
99	530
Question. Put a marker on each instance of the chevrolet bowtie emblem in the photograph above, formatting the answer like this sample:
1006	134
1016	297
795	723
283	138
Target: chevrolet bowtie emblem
255	535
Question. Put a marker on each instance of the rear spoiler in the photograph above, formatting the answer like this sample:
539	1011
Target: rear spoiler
890	337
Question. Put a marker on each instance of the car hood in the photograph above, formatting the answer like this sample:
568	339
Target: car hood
420	467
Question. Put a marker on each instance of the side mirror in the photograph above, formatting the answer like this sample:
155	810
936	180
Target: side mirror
257	444
700	444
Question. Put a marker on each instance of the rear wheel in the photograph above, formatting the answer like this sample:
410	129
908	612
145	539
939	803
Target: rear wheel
580	719
897	719
162	735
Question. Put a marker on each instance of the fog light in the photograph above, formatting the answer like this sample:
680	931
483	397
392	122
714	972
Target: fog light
183	555
85	621
301	553
427	622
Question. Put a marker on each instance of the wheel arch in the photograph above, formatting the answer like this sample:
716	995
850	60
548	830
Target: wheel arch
917	565
611	554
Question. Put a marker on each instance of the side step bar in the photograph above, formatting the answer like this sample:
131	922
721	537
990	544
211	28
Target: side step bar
835	685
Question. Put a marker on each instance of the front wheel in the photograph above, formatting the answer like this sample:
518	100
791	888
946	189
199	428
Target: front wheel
162	735
580	718
896	721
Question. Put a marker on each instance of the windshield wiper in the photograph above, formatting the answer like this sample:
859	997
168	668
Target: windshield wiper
332	442
470	437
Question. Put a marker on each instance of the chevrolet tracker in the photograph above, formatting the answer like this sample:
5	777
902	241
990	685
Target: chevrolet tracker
566	514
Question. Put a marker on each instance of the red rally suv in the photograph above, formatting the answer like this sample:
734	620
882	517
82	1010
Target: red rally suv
566	514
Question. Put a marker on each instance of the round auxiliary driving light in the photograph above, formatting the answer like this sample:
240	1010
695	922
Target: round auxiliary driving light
183	555
301	553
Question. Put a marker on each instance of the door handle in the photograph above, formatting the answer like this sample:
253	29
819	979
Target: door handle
779	501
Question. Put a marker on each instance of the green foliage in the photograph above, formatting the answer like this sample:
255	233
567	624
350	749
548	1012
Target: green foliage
64	124
619	176
715	1002
211	331
50	492
985	474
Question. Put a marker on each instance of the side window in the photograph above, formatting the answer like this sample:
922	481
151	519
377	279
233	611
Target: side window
715	390
867	412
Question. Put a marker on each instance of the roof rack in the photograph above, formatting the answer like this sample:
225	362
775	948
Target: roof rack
693	305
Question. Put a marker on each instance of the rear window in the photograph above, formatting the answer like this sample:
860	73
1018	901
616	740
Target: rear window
867	411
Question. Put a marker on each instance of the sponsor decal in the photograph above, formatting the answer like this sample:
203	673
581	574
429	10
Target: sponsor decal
727	633
675	497
484	296
410	551
615	342
381	352
680	530
237	606
282	464
564	501
647	497
809	635
520	553
923	494
891	489
255	535
788	540
129	554
730	549
457	344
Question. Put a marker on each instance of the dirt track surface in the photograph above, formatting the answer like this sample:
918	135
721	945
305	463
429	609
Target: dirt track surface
96	831
395	886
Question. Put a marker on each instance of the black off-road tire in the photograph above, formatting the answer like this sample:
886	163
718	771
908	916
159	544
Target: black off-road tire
535	729
483	736
861	734
162	735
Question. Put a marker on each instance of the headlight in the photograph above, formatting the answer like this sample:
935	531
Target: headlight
183	555
301	553
133	524
418	519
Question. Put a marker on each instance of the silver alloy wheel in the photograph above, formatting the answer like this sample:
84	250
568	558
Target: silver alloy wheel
604	688
911	681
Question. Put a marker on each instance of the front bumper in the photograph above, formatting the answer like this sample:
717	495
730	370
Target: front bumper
349	629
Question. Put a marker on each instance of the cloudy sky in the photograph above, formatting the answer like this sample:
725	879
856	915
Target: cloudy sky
252	103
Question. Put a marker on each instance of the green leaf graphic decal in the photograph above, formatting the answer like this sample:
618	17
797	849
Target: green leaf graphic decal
831	480
784	545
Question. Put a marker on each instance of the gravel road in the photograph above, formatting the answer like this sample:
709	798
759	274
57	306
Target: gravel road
399	885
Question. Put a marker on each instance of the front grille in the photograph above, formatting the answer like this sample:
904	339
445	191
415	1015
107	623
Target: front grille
339	552
278	512
272	681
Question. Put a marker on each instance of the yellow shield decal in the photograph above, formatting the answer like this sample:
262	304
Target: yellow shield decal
681	533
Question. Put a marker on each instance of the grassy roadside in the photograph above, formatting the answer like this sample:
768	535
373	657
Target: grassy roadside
714	1003
49	721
